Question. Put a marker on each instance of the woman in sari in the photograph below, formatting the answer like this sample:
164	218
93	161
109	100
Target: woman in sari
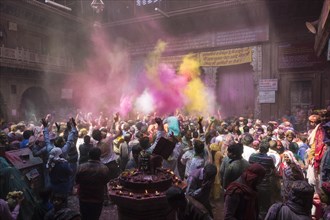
290	171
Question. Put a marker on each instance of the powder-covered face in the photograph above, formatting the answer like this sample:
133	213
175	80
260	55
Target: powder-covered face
286	158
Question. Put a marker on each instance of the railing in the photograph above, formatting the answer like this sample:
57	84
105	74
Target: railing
25	57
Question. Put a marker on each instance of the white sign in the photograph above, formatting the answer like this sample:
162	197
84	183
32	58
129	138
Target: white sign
266	96
268	85
13	112
66	93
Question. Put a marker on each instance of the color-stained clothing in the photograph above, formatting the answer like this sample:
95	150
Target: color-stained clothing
92	178
173	125
60	177
230	170
5	212
198	190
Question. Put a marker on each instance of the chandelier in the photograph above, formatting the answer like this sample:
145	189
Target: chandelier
97	6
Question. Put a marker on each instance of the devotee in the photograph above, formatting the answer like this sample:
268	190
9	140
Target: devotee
6	213
233	165
194	159
298	205
26	135
248	150
241	201
92	178
67	143
60	210
84	149
133	162
273	153
108	156
185	207
60	172
266	186
290	171
200	182
41	150
172	124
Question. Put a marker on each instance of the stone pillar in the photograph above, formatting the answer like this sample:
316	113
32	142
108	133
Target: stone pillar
210	81
257	70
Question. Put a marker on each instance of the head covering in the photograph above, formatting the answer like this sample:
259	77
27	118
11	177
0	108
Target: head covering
293	147
83	132
326	187
314	118
215	147
252	173
246	187
291	157
301	197
54	156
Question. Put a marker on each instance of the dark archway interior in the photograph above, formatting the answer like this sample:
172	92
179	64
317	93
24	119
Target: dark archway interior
34	104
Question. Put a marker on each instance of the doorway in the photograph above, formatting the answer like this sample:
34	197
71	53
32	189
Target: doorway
235	90
34	104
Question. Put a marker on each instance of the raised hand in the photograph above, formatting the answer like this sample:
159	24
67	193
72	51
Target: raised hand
200	119
58	126
116	117
44	122
73	122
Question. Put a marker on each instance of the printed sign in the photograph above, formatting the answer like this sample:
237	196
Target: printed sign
226	57
268	85
266	96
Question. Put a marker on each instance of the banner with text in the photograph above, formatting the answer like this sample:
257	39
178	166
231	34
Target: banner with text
175	61
226	57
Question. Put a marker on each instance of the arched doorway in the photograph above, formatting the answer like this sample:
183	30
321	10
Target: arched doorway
34	104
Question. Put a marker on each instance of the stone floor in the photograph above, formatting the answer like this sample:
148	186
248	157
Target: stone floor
110	212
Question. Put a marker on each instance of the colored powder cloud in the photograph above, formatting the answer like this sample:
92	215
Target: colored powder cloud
170	95
125	105
196	95
153	59
145	103
195	91
105	80
190	67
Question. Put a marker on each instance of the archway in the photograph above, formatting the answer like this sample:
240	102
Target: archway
34	104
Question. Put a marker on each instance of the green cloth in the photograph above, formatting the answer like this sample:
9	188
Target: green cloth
12	179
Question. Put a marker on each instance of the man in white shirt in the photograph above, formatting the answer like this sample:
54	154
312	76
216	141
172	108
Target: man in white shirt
247	146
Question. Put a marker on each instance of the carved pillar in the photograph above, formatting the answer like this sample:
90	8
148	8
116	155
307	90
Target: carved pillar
210	81
257	70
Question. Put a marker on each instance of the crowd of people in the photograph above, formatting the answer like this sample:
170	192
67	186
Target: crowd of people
261	170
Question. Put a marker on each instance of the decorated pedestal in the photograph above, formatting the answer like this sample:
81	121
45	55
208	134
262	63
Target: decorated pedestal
141	195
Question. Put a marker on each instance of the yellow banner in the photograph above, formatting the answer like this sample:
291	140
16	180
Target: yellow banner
175	61
226	57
